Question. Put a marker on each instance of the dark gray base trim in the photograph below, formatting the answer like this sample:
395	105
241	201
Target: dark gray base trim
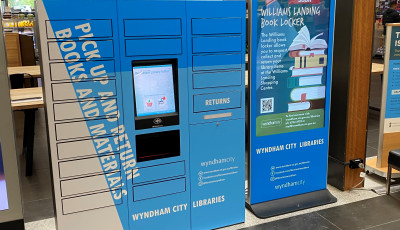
14	225
291	204
336	173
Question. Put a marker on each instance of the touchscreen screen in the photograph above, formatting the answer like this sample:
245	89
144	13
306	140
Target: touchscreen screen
154	90
3	189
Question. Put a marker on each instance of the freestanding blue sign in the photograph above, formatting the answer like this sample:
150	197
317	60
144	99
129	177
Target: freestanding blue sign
291	64
389	132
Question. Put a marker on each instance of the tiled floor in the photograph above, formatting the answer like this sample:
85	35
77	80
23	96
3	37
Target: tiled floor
352	211
358	204
37	189
377	213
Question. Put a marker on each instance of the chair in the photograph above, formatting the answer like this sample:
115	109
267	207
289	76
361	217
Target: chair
13	48
27	50
394	163
17	81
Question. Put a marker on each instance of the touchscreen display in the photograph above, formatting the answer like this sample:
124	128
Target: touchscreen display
3	189
154	90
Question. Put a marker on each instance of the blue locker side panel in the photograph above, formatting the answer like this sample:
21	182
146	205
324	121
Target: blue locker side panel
218	174
155	30
84	100
216	44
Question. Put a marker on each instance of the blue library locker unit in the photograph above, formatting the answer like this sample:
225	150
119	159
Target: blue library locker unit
145	104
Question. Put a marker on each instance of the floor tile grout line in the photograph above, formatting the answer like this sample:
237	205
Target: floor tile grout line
393	221
329	221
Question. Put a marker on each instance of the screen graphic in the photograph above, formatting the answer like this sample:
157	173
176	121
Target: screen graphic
154	90
3	188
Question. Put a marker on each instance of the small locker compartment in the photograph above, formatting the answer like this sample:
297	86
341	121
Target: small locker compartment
104	24
153	27
215	62
153	46
92	70
83	89
90	49
217	169
201	26
217	44
218	79
170	170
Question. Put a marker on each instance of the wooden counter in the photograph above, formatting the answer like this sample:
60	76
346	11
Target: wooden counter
27	98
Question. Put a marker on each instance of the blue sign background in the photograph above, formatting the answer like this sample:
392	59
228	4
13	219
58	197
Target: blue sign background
393	86
289	162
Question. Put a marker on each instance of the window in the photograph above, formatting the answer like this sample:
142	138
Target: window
21	5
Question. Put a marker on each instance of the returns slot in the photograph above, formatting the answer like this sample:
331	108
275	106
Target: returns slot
217	101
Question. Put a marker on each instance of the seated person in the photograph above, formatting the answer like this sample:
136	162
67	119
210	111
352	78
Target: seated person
390	15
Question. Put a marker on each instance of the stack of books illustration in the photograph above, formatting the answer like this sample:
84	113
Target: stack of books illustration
307	80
